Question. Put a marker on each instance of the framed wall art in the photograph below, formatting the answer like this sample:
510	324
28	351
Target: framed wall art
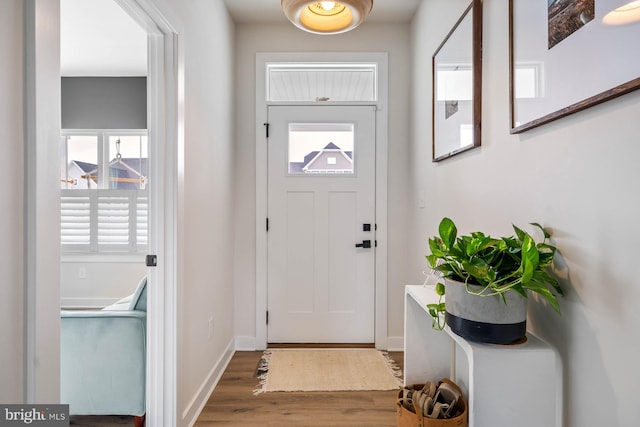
457	87
568	55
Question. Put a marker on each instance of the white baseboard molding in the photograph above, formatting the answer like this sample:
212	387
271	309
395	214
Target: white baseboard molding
395	344
246	344
76	303
194	408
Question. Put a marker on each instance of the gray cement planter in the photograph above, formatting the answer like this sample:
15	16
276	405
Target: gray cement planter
485	319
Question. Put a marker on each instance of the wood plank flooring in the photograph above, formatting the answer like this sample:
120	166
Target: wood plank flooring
233	403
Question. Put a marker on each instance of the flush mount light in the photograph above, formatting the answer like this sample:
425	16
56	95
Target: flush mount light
326	17
627	13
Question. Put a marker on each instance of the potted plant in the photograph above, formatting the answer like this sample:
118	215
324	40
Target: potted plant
487	280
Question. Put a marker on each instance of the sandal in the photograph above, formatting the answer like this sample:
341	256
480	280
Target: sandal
448	396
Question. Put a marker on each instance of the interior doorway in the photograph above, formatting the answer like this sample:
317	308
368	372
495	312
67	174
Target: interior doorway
42	81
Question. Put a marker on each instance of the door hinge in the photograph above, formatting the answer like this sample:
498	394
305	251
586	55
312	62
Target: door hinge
267	224
266	126
151	260
267	317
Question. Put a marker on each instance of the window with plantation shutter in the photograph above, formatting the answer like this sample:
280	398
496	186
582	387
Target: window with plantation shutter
104	201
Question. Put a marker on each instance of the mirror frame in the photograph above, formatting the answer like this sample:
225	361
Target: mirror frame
476	63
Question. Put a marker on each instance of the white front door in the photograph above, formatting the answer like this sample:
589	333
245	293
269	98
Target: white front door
321	224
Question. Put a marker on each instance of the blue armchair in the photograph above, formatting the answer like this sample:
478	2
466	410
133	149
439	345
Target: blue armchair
103	358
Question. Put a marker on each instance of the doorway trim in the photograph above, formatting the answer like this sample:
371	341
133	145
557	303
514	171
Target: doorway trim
381	58
42	236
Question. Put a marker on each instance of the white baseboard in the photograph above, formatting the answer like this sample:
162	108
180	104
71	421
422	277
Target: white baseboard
194	408
395	344
246	344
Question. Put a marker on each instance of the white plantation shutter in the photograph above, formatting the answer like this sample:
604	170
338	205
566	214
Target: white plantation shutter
104	220
142	220
113	219
75	215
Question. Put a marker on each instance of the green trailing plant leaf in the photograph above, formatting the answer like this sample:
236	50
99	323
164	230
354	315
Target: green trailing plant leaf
530	258
545	232
448	232
437	248
436	311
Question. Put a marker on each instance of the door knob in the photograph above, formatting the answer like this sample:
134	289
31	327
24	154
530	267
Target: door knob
365	244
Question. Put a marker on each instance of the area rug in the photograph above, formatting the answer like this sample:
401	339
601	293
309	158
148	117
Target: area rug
327	370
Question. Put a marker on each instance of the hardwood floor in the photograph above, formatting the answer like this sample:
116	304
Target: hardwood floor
233	403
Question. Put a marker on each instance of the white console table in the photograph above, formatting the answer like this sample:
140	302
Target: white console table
506	386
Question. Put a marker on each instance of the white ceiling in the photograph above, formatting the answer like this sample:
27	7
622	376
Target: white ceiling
99	39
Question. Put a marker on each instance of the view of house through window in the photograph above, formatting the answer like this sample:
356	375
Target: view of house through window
104	198
321	148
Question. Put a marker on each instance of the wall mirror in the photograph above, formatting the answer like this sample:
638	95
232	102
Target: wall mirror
457	86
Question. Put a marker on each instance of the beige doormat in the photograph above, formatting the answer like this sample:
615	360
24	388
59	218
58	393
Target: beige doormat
327	370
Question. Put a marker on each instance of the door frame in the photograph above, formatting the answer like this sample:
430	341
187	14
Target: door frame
381	165
42	230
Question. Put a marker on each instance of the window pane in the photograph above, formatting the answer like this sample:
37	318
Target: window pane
321	148
79	162
128	162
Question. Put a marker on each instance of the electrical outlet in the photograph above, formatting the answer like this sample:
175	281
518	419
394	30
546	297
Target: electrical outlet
210	327
82	273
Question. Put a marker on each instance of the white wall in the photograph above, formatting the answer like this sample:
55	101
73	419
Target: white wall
98	283
576	176
252	38
11	194
207	288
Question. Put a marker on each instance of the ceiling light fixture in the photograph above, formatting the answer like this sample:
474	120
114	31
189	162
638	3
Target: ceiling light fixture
326	17
627	13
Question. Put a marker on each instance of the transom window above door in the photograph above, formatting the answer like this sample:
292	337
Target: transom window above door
321	82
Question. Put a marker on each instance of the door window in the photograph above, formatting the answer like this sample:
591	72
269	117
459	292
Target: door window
321	148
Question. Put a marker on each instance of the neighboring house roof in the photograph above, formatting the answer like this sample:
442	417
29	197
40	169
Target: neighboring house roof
313	156
86	167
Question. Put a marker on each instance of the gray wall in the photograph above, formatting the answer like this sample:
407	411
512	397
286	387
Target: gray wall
104	102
